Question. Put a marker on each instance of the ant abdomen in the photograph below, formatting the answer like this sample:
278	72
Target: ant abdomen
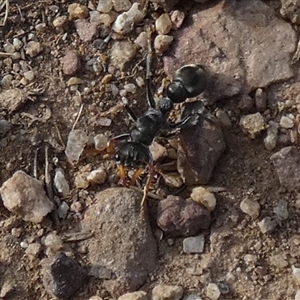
189	81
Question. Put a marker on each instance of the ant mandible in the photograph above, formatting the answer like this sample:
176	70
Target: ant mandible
131	150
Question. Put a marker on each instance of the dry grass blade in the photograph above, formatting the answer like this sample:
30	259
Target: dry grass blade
4	3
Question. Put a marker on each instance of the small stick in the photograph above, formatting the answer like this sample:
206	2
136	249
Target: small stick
78	116
35	174
6	3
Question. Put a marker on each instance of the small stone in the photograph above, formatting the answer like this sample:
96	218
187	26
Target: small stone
250	207
62	276
87	31
62	210
260	100
223	287
76	207
279	261
162	43
9	47
18	44
6	81
204	197
167	292
192	297
78	11
130	88
223	118
33	48
286	122
253	124
163	24
246	103
105	6
5	126
54	242
29	75
177	18
71	63
81	181
142	40
121	5
105	122
267	225
281	210
100	141
297	295
97	176
212	291
122	52
194	244
250	259
125	22
95	298
7	288
60	22
33	250
271	139
179	217
158	151
173	179
296	274
140	295
41	27
77	140
61	183
26	196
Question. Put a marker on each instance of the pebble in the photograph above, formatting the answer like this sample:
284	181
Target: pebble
29	75
121	5
5	126
296	274
41	27
139	295
97	176
33	250
95	298
212	291
7	288
6	81
158	151
260	100
77	140
253	124
62	210
173	179
250	259
100	141
76	207
60	182
194	244
223	118
281	210
9	47
177	18
192	297
122	52
162	43
33	48
60	22
63	276
125	21
105	6
18	44
142	40
246	103
26	196
286	122
271	138
163	24
78	11
87	31
54	242
279	261
297	295
167	292
202	196
250	207
81	181
71	62
267	225
179	217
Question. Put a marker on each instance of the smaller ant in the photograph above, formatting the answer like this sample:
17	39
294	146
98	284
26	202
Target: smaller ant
131	150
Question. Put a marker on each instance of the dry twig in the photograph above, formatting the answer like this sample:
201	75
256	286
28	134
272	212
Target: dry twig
6	4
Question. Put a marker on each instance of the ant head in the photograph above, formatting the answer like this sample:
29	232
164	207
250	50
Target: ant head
177	92
165	105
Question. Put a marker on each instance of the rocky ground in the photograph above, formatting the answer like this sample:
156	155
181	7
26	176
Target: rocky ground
221	219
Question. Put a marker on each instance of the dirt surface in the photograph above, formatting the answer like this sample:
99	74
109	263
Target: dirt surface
47	117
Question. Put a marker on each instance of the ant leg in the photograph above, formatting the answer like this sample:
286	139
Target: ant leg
130	112
136	175
111	146
149	93
148	184
123	173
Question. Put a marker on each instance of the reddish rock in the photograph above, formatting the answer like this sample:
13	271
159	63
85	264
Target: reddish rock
179	217
87	31
71	63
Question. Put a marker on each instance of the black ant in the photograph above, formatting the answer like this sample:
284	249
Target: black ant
131	150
